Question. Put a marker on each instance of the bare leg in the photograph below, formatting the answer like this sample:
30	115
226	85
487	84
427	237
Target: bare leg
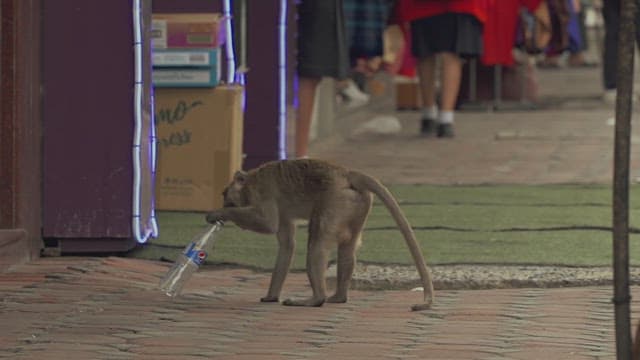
286	246
451	76
306	95
427	77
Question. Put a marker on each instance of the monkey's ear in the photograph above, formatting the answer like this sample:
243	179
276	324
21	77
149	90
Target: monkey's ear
240	177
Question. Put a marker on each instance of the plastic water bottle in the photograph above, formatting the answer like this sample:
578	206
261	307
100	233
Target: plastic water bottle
189	261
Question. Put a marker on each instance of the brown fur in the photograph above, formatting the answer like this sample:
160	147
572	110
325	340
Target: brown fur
336	202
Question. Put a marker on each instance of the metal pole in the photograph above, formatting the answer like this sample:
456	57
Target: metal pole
621	299
473	80
242	33
497	86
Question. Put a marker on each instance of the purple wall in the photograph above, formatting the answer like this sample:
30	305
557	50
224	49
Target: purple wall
88	112
186	6
261	116
88	120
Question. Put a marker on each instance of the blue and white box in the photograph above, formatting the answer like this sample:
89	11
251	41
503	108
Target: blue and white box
186	67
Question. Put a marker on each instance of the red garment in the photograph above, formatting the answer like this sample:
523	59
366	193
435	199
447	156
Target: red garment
499	33
499	17
407	10
408	64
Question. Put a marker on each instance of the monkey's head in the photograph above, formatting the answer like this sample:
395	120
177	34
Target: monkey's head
234	194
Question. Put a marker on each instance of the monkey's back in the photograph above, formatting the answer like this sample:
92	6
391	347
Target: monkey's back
306	178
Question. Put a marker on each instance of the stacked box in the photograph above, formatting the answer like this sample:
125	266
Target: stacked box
199	121
186	49
186	68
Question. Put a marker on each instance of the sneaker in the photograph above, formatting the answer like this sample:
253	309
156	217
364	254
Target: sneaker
427	126
353	93
445	131
354	103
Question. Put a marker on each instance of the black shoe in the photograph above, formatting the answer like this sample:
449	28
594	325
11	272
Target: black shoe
445	131
427	126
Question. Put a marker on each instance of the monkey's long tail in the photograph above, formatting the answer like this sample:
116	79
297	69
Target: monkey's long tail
361	181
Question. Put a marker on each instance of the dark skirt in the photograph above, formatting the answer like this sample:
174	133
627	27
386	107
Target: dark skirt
452	32
322	46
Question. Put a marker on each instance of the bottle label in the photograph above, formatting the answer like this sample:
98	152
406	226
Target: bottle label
196	255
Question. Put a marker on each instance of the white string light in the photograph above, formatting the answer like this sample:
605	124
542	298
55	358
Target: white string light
153	153
231	60
151	229
282	69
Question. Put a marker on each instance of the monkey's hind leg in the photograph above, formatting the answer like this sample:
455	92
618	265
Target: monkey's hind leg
348	242
316	265
346	264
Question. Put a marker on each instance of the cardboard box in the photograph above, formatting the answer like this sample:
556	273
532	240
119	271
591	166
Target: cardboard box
186	68
199	146
186	58
204	30
158	34
190	77
408	95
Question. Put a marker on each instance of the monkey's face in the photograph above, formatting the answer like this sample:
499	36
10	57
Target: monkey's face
233	194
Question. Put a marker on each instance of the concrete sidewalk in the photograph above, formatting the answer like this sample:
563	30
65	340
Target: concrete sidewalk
88	308
568	140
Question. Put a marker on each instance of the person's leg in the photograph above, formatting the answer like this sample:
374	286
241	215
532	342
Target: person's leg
610	13
576	40
427	77
573	29
427	81
306	96
451	76
582	25
638	26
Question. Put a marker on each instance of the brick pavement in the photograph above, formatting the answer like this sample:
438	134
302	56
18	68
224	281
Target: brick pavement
109	308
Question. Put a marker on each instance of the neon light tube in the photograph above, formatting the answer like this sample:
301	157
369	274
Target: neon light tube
153	142
141	235
231	59
282	70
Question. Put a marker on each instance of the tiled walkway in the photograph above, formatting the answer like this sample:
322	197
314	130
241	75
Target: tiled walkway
109	308
569	139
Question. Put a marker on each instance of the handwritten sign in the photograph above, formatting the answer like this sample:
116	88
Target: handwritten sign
173	117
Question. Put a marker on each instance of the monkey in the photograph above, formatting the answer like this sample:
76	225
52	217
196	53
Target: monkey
336	202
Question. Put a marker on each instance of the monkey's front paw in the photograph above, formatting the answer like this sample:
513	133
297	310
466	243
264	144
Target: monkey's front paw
214	216
269	299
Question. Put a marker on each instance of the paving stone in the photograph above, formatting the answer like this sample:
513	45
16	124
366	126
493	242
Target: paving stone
110	319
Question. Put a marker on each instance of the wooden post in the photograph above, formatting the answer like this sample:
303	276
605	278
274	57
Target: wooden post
20	131
622	296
